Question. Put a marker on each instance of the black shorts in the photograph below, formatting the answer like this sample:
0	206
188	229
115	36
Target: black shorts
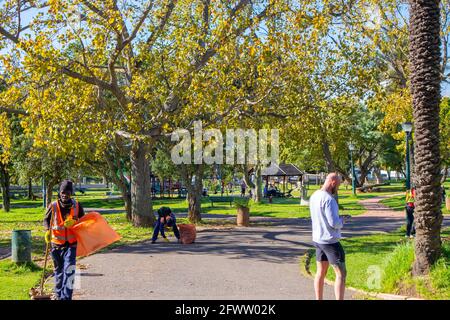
333	253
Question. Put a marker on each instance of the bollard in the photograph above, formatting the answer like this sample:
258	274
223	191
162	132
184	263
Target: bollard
21	246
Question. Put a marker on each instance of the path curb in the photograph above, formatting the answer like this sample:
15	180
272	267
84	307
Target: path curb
305	261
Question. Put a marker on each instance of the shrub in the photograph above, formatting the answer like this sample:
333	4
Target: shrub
241	202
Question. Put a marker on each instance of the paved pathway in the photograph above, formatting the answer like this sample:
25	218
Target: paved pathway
259	262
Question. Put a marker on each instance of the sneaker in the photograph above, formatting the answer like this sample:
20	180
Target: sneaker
411	237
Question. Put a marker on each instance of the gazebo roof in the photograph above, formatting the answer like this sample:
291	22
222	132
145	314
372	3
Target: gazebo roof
282	169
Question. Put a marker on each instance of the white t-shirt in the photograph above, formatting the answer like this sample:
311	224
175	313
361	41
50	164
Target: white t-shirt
326	223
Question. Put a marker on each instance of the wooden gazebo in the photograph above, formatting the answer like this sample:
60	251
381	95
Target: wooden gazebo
283	170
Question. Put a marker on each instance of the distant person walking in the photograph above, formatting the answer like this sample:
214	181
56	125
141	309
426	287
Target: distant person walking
410	196
243	187
326	226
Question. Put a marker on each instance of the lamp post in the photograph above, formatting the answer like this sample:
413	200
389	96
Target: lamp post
352	148
407	128
44	193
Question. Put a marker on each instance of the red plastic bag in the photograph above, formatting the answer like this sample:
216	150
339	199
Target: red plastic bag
93	233
187	233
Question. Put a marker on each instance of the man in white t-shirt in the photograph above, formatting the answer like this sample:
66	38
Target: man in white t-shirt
326	232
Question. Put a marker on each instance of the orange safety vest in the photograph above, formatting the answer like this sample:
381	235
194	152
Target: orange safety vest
61	234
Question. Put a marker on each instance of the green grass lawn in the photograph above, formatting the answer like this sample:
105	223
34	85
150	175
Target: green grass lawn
382	263
16	281
397	203
279	208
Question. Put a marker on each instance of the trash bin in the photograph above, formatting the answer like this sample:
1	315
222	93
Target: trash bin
21	246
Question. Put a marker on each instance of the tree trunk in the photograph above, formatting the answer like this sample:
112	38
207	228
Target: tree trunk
194	206
126	197
30	189
257	188
425	81
246	178
116	174
258	195
49	187
5	185
362	178
195	195
327	156
141	198
377	172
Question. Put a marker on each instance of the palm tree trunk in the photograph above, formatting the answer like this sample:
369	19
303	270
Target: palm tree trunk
425	81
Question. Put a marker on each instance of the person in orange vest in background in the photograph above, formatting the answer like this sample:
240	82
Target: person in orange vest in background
60	217
410	195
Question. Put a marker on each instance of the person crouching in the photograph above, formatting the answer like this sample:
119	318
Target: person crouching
165	218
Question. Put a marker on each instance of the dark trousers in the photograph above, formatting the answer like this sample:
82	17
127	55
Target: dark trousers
64	258
159	228
176	232
410	230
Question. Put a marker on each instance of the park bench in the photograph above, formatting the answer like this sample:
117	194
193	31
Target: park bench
37	196
221	199
81	190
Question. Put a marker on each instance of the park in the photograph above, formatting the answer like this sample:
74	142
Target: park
226	119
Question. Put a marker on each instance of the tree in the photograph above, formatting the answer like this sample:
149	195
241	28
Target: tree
192	176
146	54
5	155
5	185
425	78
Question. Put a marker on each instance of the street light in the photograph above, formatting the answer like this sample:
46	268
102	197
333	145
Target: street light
407	128
44	194
352	148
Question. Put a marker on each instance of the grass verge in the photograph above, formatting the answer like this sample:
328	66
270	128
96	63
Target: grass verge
382	263
397	203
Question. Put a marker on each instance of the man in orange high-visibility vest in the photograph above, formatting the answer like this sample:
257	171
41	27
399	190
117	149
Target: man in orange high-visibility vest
61	216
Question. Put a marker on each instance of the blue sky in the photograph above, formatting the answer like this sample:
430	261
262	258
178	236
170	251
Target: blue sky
446	90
